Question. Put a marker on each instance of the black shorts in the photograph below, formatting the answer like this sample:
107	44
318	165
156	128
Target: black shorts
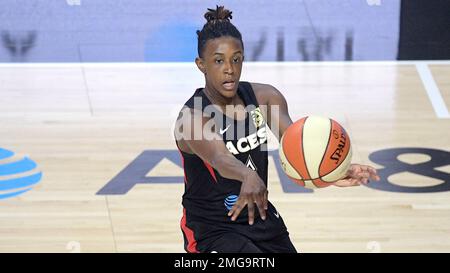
237	243
268	236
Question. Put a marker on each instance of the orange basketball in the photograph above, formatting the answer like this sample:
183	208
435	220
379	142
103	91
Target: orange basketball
315	151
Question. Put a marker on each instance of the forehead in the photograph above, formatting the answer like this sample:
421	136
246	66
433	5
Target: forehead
225	45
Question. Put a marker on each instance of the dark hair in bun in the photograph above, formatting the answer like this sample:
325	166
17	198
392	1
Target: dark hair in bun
217	25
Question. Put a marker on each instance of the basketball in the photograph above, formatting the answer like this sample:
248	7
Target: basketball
315	152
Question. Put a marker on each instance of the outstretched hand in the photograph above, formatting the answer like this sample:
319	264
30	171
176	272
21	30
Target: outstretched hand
358	174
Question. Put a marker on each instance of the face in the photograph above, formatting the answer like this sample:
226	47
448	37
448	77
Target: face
222	64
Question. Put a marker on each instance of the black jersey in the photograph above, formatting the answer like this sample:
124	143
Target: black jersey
208	196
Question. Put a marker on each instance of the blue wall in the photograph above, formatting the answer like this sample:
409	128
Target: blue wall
155	31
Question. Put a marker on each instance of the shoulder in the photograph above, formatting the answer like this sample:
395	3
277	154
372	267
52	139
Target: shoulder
265	93
186	125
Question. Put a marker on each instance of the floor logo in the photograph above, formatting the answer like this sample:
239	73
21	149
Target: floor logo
389	159
136	171
16	177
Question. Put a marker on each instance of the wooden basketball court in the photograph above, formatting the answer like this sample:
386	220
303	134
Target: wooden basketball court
84	123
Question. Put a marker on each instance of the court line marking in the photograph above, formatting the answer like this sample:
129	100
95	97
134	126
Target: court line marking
111	223
432	90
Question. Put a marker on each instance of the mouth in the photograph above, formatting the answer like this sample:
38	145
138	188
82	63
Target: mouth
229	85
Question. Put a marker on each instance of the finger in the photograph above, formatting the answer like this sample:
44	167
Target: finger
355	182
239	206
364	167
230	212
236	212
364	175
233	209
266	200
251	212
350	182
370	173
364	178
373	174
260	204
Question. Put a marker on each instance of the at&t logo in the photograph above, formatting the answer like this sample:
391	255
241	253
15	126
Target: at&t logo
17	175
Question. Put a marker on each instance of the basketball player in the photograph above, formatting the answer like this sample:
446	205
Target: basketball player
226	168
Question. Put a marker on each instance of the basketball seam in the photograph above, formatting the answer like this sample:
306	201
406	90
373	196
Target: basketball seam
328	143
313	182
296	179
344	156
303	151
282	146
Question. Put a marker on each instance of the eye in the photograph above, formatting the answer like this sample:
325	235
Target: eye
236	59
219	61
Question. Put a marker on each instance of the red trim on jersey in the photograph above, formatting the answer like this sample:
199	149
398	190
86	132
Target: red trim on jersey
189	233
211	170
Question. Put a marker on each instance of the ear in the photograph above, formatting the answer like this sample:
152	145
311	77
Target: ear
200	64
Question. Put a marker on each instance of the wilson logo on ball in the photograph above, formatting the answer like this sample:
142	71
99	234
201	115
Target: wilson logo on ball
340	150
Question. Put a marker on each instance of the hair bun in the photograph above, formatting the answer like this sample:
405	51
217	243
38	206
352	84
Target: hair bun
218	14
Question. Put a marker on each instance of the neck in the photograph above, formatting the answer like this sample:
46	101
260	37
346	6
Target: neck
216	98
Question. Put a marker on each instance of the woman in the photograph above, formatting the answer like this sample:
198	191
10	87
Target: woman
224	154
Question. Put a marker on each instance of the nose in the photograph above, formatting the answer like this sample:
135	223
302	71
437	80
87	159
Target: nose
228	68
